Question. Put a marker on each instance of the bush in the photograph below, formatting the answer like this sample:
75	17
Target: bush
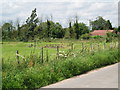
109	37
97	37
51	72
85	36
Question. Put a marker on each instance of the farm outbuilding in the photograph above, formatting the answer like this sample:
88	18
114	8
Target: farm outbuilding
100	32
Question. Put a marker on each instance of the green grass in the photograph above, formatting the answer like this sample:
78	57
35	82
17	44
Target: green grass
42	75
31	73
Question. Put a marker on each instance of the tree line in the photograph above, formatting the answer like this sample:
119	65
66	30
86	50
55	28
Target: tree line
35	29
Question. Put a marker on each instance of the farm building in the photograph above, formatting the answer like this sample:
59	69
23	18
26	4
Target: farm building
100	32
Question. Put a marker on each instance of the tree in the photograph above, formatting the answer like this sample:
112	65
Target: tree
118	28
108	25
71	30
32	23
76	27
7	29
57	31
48	28
101	24
18	26
83	28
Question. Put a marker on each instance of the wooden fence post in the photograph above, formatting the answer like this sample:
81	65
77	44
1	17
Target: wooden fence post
34	46
34	43
57	52
42	58
98	47
91	47
17	57
104	46
72	47
47	58
116	45
82	46
110	45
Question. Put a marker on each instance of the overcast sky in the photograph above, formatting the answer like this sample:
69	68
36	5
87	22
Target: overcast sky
61	11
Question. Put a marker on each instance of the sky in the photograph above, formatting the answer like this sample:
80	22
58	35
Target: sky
61	10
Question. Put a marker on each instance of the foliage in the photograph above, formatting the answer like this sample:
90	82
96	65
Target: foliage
109	37
80	29
31	22
97	37
101	24
35	29
86	36
7	29
51	72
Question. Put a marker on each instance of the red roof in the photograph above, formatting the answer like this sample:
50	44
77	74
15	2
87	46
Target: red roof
100	32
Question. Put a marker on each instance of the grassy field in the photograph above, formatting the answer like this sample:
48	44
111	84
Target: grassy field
9	48
31	73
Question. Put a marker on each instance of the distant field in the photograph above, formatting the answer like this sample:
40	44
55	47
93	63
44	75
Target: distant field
25	48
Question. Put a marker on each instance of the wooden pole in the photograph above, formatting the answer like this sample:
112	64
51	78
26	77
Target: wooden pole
17	57
42	58
104	46
47	58
72	46
110	45
34	45
82	47
116	45
57	52
91	47
98	47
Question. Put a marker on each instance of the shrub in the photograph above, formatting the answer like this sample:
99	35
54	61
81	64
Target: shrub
97	37
85	36
51	72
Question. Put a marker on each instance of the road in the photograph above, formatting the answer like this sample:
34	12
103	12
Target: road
106	77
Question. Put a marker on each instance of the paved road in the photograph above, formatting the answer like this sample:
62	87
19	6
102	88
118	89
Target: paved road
106	77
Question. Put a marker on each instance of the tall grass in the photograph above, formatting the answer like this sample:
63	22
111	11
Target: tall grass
37	75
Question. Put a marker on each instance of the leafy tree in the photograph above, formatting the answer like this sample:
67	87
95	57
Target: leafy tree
57	31
118	28
7	29
31	23
18	26
48	28
76	27
67	33
83	28
108	25
71	31
101	24
80	29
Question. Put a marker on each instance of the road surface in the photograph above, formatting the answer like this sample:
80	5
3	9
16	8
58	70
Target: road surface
106	77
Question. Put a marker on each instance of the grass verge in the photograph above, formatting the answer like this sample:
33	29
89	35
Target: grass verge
51	72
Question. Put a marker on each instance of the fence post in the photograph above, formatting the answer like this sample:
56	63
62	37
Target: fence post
47	58
17	57
34	43
91	47
98	47
110	45
104	46
82	46
116	45
42	58
57	52
72	47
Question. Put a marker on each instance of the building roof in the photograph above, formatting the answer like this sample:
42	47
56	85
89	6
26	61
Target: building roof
100	32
